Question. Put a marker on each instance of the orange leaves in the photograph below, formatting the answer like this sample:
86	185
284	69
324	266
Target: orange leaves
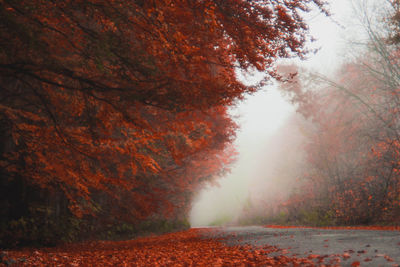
126	97
115	155
346	255
178	249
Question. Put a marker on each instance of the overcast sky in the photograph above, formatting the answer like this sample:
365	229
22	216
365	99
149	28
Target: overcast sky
263	113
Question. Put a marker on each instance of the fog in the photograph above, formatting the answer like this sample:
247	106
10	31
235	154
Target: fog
223	203
270	135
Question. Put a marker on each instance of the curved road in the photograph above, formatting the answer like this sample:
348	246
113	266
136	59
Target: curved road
341	247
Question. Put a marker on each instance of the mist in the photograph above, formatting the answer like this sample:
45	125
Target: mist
271	135
223	204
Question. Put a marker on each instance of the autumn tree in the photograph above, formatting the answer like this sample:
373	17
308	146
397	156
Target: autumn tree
353	150
129	98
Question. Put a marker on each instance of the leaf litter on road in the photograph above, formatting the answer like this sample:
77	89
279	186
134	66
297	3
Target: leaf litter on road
186	248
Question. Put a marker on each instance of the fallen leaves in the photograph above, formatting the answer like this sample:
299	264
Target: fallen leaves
195	247
346	256
388	258
187	248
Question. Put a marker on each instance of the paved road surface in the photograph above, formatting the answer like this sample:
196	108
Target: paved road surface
369	247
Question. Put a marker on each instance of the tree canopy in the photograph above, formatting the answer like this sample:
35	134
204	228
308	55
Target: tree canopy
130	98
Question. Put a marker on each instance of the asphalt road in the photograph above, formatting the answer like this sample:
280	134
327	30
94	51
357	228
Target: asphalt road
369	247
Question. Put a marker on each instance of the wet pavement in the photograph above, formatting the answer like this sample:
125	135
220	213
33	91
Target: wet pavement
368	247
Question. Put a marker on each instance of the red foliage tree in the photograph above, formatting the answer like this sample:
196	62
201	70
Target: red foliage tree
353	150
130	96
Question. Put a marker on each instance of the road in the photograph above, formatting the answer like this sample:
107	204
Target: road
223	247
343	247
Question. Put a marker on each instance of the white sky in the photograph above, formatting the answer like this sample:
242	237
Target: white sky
264	112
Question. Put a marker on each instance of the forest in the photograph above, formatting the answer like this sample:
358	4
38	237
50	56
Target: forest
114	114
339	154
